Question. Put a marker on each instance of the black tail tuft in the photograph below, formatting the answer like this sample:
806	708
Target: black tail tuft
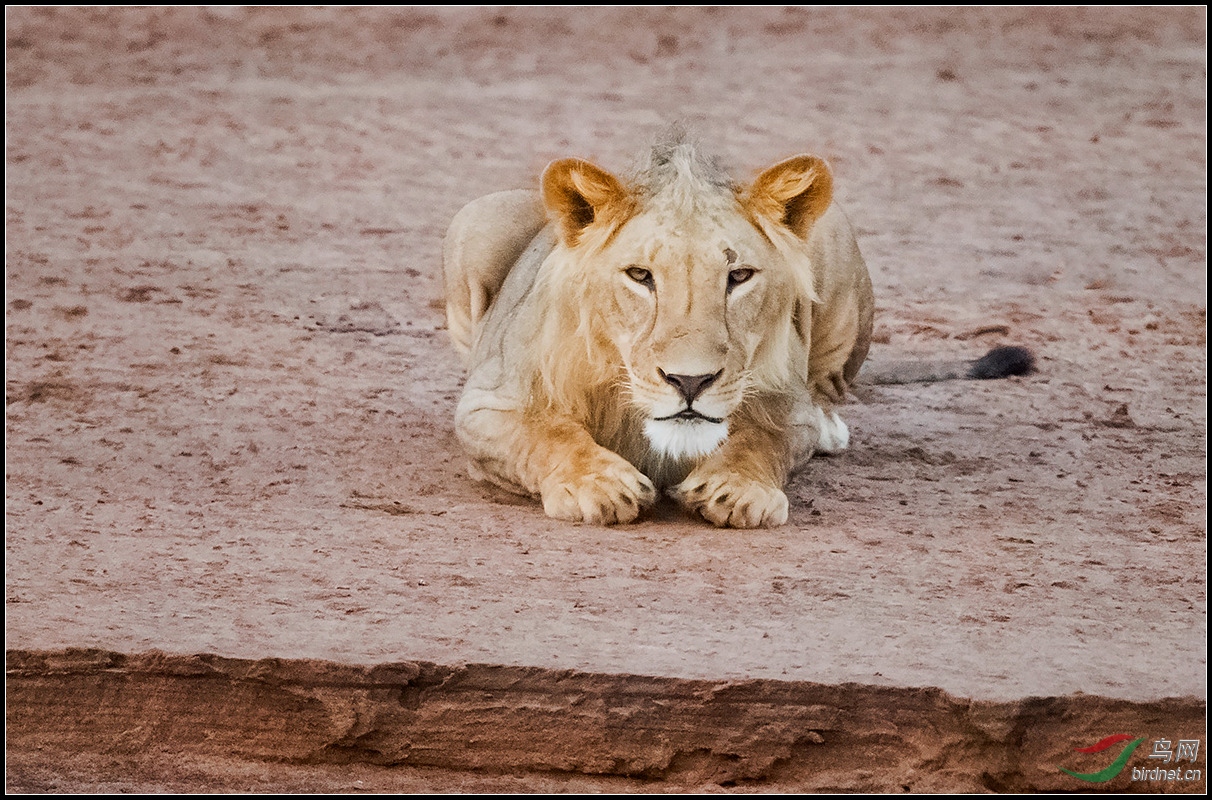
1002	362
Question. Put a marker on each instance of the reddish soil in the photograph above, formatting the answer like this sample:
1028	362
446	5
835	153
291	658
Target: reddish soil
229	395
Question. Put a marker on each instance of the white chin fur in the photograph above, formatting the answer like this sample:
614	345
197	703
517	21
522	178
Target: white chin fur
684	439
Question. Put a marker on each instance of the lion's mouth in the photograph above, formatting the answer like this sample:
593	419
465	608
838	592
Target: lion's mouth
686	434
689	415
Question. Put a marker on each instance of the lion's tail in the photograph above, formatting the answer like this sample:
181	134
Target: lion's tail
1000	362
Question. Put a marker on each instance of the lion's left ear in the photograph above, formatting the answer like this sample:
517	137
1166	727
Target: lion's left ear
793	193
578	194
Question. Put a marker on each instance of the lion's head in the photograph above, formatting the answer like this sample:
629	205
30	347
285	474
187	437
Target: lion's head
677	294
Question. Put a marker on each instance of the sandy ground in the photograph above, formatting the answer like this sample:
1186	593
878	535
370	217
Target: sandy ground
229	392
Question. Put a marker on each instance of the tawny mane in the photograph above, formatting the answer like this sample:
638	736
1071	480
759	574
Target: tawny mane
676	161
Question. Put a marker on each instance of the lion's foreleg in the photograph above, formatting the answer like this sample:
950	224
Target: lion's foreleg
741	484
557	460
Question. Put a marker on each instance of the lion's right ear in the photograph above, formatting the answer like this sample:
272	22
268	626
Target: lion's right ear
578	194
793	193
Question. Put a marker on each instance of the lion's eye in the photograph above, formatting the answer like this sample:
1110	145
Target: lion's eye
641	276
738	276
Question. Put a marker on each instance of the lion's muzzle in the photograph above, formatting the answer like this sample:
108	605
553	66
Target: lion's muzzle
689	386
688	415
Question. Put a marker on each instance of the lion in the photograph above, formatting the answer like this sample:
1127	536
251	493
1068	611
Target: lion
675	332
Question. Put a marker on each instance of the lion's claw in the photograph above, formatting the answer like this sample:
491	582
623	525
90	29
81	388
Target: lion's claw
610	491
730	501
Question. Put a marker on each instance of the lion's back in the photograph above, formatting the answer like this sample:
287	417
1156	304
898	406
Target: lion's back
485	239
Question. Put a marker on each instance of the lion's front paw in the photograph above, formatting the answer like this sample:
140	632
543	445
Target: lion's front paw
603	491
729	500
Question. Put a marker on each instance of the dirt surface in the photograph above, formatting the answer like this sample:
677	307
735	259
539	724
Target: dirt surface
229	393
565	730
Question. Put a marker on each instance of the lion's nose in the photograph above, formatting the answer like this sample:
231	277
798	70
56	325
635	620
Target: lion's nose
689	386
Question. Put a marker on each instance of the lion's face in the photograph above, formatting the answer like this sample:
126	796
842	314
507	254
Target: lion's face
696	293
690	303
